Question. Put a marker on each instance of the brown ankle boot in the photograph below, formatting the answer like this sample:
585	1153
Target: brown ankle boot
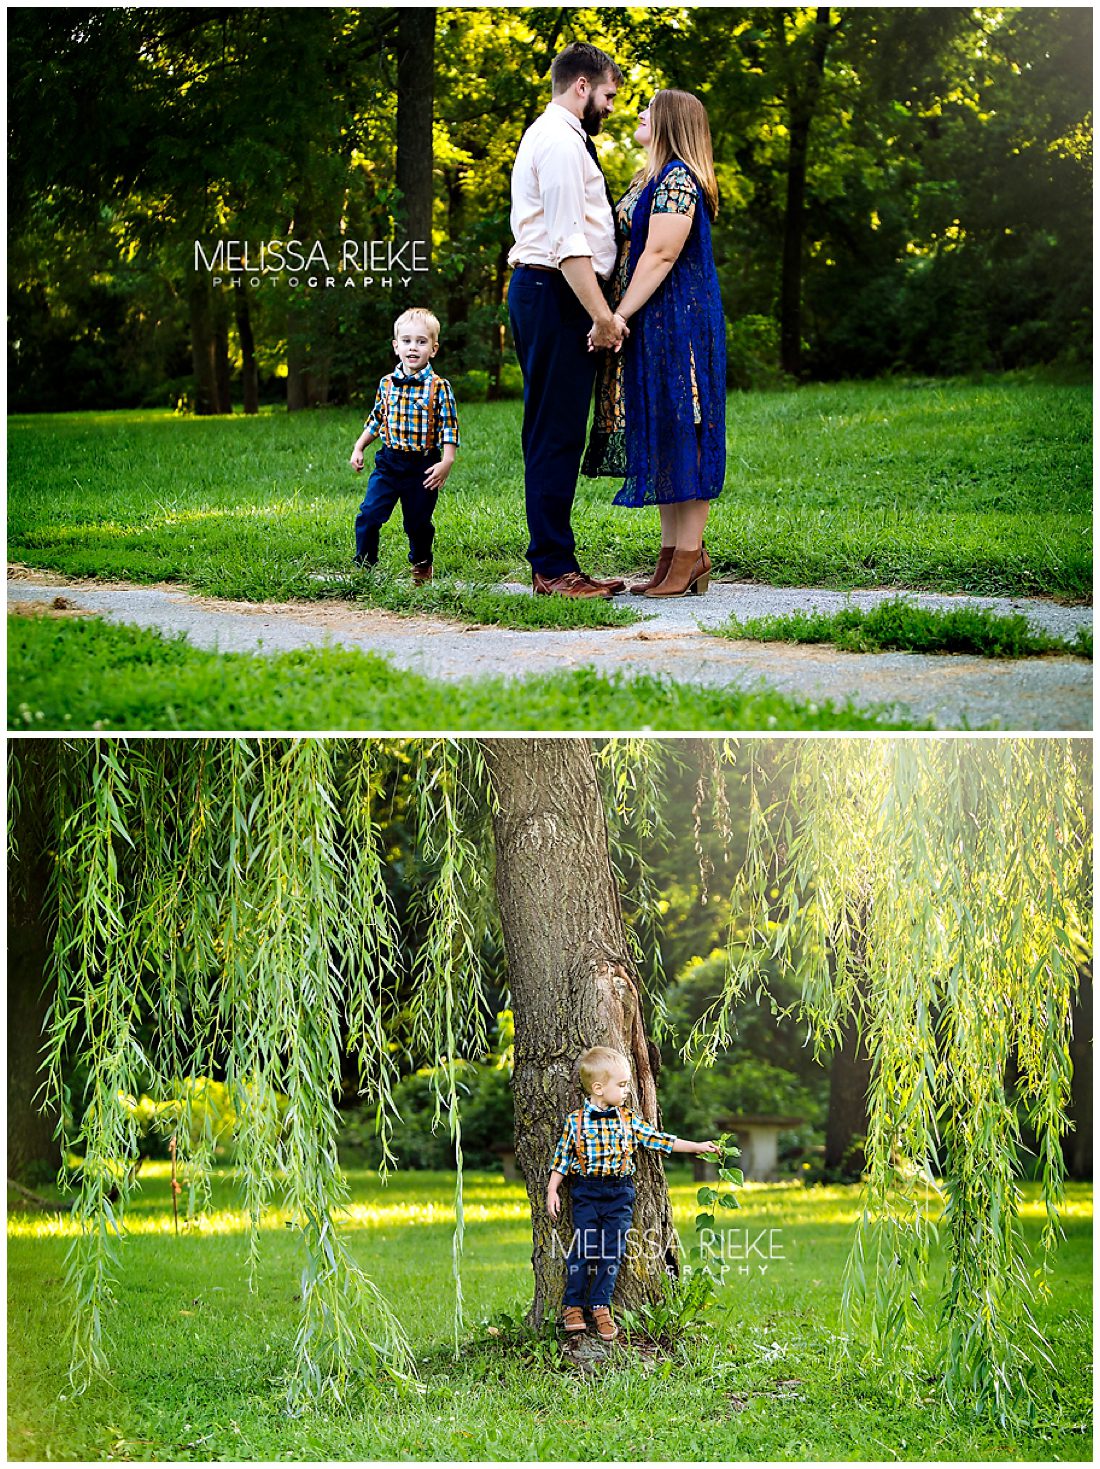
689	574
606	1329
660	571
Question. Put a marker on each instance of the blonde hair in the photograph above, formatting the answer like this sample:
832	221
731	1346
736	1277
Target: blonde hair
418	313
597	1064
678	121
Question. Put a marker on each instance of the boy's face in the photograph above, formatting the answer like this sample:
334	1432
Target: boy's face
614	1089
414	347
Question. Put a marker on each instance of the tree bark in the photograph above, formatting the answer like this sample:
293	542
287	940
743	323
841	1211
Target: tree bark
803	97
223	399
572	987
849	1080
415	112
202	346
32	1148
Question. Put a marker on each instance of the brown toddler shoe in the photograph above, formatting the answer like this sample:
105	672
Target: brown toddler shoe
573	1319
422	573
605	1327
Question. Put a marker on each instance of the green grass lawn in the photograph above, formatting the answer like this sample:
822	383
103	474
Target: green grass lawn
199	1363
83	673
984	488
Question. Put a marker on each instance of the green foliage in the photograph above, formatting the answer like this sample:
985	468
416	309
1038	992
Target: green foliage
900	624
752	353
419	1142
939	896
946	219
88	674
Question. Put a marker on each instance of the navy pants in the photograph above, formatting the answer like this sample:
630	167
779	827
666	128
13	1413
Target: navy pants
603	1209
397	478
550	329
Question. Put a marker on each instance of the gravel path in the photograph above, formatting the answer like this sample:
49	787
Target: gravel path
955	692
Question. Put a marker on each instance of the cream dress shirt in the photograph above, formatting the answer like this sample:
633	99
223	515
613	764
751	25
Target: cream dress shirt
559	198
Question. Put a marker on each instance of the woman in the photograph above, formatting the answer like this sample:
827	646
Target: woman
661	403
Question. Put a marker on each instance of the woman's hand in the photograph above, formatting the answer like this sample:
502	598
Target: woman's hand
621	328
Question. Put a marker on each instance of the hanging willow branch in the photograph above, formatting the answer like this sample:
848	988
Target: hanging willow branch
209	887
450	1006
938	894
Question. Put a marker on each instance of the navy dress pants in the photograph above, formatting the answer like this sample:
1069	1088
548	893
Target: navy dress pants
397	478
603	1209
550	329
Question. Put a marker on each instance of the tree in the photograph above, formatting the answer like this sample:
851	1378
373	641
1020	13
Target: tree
573	986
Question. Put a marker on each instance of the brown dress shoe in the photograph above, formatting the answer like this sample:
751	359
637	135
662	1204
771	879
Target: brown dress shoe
616	584
571	584
573	1319
422	573
605	1327
660	571
688	575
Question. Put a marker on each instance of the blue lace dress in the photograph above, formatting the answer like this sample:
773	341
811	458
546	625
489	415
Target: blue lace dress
661	402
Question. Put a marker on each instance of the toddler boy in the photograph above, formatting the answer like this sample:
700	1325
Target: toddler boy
597	1148
414	414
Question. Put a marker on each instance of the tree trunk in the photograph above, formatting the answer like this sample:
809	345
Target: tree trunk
250	377
803	102
496	334
32	1149
1077	1145
572	987
415	108
849	1080
202	346
223	399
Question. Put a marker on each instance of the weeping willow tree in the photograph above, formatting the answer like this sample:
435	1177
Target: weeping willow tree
220	908
937	896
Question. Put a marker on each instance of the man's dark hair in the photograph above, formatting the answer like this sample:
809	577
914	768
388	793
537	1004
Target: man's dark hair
579	59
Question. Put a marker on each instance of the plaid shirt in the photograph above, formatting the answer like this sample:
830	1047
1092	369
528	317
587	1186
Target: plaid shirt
602	1144
400	413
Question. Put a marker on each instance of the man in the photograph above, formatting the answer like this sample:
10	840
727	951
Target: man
564	248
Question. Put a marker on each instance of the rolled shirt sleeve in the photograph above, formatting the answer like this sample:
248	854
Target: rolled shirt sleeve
373	424
648	1137
560	172
563	1153
448	415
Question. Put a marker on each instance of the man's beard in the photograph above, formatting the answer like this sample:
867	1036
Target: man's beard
592	117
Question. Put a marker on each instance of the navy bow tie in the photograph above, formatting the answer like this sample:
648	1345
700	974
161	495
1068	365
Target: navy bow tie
614	1112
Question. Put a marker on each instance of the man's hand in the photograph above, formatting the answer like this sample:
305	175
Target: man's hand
606	333
356	459
553	1202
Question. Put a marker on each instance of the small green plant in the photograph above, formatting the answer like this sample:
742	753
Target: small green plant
722	1198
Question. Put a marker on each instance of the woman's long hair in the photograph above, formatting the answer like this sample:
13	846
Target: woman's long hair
680	129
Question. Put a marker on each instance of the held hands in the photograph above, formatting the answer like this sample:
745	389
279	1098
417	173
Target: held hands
608	334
